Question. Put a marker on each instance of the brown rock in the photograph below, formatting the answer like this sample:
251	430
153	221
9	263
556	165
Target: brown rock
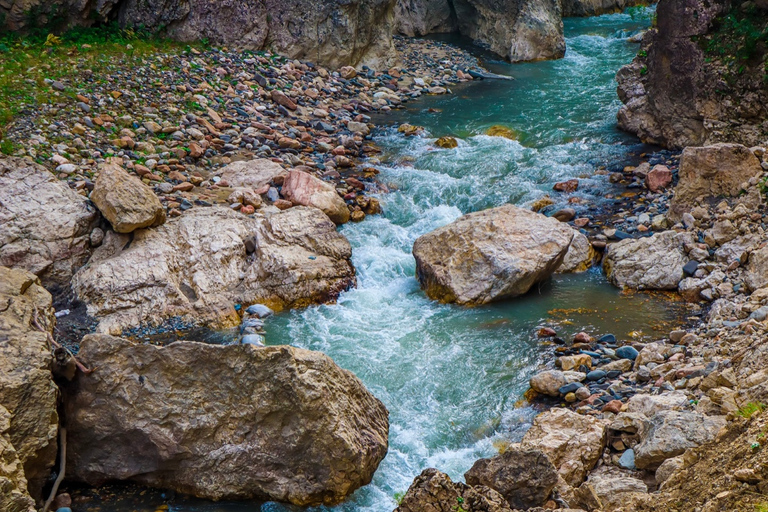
567	186
280	98
525	478
306	190
125	201
13	484
276	423
434	491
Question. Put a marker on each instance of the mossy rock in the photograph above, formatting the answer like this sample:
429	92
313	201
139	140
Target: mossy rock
502	131
446	142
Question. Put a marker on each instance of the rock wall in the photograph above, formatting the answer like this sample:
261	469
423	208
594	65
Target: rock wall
596	7
223	422
518	30
27	392
333	33
695	80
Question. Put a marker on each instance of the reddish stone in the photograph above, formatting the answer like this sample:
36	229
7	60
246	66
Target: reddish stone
195	151
184	187
282	204
567	186
613	406
581	222
546	332
280	98
247	209
582	337
658	178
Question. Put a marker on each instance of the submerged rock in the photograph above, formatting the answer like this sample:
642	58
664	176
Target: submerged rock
223	422
126	202
651	263
27	391
46	227
434	491
524	477
198	266
490	255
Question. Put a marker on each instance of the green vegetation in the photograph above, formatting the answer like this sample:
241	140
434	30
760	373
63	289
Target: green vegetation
399	497
750	409
740	39
459	507
761	507
80	55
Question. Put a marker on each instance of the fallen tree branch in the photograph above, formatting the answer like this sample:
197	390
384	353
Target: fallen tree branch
62	468
55	344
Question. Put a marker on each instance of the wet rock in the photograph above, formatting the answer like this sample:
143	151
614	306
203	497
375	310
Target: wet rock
253	174
524	477
304	189
567	186
572	442
550	382
45	226
627	352
28	394
654	262
187	426
446	142
434	491
565	215
204	268
673	432
489	255
126	202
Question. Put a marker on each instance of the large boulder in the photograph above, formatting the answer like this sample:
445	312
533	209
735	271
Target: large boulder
712	171
223	421
756	270
201	264
304	189
126	202
524	477
572	442
681	89
580	256
433	491
332	33
673	432
490	255
253	174
46	226
650	263
27	390
13	484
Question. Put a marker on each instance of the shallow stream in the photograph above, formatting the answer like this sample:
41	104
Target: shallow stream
450	376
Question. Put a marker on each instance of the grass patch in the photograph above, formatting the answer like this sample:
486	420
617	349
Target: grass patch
739	40
26	62
750	409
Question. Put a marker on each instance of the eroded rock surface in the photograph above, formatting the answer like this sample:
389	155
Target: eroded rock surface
13	484
46	226
201	264
490	255
651	263
27	391
596	7
673	432
223	422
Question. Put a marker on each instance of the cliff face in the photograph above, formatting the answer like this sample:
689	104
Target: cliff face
700	76
332	33
518	30
597	7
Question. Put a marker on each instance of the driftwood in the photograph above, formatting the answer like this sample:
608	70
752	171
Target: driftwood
62	468
57	345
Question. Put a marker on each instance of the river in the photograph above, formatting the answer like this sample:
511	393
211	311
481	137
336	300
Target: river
452	377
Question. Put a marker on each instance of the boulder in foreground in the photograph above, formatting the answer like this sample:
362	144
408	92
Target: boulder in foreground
650	263
199	265
490	255
223	422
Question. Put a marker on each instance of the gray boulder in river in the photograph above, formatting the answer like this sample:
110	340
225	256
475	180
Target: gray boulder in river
490	255
223	422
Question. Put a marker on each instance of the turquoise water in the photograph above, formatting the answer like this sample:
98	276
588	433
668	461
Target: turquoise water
450	376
